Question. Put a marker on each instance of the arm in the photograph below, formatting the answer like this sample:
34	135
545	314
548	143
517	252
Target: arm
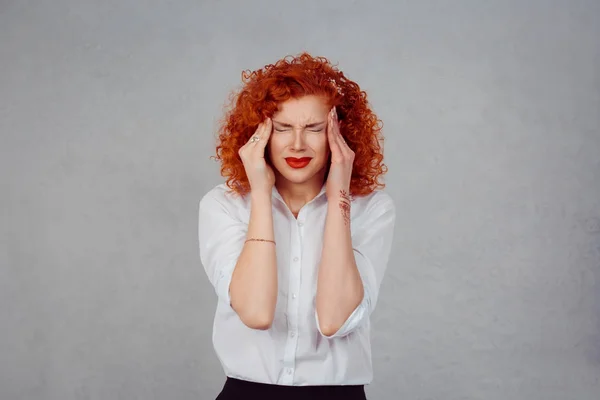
352	266
243	273
339	286
254	280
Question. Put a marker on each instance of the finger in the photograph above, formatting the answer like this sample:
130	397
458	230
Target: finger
266	132
256	137
339	136
345	149
256	134
261	137
334	144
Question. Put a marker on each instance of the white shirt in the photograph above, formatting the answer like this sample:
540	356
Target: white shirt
294	351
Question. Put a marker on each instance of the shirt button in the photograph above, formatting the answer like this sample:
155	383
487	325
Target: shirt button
292	333
293	295
296	259
300	224
289	371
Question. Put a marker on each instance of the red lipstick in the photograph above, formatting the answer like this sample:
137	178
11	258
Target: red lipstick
298	162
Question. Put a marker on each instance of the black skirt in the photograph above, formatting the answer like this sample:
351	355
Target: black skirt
236	389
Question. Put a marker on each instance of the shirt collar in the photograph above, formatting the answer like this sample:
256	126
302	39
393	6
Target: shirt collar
275	194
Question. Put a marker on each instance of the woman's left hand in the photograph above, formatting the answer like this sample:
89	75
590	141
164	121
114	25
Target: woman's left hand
342	160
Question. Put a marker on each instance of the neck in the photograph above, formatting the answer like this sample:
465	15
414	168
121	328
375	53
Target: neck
296	195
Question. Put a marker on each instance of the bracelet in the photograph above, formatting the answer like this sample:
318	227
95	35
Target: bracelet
260	240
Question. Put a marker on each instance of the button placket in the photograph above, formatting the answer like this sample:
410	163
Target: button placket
293	305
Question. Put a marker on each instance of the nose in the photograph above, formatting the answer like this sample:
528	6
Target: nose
299	142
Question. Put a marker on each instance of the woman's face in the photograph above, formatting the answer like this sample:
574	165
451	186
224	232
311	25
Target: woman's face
298	146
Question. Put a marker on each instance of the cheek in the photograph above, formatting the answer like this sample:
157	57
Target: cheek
320	146
273	147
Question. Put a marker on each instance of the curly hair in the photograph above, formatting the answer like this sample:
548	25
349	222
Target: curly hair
295	77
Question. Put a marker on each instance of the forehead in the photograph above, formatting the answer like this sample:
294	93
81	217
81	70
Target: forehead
304	110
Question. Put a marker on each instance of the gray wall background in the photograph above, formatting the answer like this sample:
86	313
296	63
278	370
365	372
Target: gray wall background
107	117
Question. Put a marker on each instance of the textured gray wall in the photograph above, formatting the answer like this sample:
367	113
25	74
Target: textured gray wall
491	111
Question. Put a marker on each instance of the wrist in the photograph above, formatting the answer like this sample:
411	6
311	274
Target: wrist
339	194
260	196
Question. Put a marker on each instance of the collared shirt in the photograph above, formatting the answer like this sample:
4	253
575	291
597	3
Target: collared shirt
294	351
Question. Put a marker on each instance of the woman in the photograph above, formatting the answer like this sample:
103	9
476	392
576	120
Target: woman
297	240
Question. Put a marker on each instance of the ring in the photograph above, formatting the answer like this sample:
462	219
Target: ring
254	139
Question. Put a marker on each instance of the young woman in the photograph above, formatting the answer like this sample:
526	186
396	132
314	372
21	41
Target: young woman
296	242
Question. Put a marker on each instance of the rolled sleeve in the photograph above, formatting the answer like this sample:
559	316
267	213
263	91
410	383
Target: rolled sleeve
221	238
372	242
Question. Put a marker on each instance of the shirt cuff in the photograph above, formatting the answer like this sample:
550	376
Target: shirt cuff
222	284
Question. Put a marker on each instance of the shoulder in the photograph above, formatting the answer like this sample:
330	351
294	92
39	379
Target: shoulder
221	197
377	200
375	206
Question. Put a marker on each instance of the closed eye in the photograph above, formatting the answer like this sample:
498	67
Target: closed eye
314	127
287	129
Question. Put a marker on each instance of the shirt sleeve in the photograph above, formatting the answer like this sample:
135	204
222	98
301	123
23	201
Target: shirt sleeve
371	242
221	238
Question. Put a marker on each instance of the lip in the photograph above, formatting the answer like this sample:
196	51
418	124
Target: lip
298	162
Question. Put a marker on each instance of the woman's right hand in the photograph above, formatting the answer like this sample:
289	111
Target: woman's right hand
260	174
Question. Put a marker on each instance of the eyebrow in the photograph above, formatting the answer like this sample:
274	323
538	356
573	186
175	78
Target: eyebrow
313	125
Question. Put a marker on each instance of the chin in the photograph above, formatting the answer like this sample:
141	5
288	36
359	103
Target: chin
297	176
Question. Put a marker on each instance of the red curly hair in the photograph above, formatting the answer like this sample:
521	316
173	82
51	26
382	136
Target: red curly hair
295	77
